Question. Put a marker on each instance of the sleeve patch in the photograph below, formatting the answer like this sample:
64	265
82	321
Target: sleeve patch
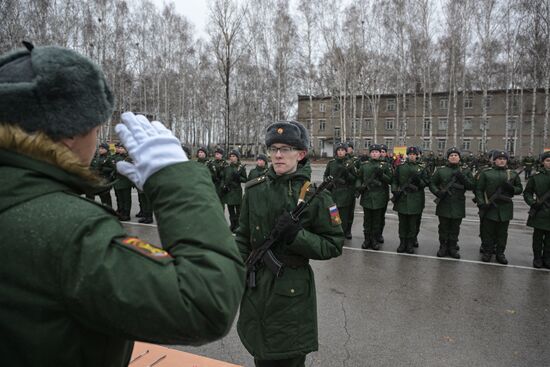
334	215
145	248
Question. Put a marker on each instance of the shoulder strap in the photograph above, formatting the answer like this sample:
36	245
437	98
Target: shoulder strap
255	181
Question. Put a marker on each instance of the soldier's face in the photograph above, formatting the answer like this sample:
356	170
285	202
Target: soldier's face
284	163
102	151
340	153
375	154
201	154
412	157
383	154
546	163
218	156
501	162
233	158
260	163
454	158
350	150
83	146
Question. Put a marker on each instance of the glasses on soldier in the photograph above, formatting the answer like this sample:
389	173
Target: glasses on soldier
283	150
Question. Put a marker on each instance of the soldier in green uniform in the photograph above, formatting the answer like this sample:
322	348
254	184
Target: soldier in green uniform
122	185
76	289
409	181
103	166
384	156
344	172
278	318
216	167
528	163
202	155
448	184
439	161
232	176
372	184
494	191
357	162
260	169
537	196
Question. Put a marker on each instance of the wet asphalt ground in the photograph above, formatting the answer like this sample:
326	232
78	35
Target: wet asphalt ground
380	308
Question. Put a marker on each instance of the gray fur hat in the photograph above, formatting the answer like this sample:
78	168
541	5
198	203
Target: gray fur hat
287	132
54	90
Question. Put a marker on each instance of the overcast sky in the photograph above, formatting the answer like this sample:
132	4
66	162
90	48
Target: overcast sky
196	11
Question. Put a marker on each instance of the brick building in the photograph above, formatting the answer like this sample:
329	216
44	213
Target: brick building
376	121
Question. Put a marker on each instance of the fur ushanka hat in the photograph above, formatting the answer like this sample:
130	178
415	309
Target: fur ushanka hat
54	90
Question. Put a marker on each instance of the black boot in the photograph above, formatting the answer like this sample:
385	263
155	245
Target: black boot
415	242
348	235
366	243
402	245
442	249
410	245
139	214
380	238
537	263
501	259
374	243
452	249
146	220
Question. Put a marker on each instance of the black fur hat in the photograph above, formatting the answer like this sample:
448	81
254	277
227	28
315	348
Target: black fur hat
384	147
413	150
375	147
236	153
453	150
54	90
544	155
500	154
262	157
202	149
219	150
287	132
104	146
340	146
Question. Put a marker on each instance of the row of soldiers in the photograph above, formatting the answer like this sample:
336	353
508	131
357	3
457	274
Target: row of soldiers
104	165
494	185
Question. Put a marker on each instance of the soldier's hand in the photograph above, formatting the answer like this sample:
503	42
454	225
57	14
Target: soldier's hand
508	189
440	194
287	228
150	145
483	206
460	177
536	205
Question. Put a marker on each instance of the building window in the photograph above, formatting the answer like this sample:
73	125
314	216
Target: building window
426	144
321	145
368	124
488	101
443	123
355	126
336	107
441	144
468	103
368	143
389	142
512	123
443	103
388	125
322	125
337	133
484	126
321	107
426	104
510	145
426	126
467	123
390	105
466	144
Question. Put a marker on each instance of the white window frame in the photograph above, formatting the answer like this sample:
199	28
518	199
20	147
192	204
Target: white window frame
322	107
337	132
443	103
488	123
388	142
467	123
467	144
390	105
387	122
368	123
426	144
323	124
440	146
443	123
468	102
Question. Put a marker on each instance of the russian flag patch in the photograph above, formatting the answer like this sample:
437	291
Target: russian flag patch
334	215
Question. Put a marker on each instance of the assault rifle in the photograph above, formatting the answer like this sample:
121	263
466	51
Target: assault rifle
409	185
543	201
348	167
374	180
264	254
447	191
497	195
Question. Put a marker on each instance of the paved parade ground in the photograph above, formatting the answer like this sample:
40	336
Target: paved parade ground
380	308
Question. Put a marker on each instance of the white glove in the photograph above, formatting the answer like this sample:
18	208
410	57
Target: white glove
151	146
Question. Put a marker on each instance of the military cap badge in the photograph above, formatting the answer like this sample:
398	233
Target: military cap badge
280	130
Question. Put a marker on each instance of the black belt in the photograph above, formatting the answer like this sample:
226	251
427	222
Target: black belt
293	261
